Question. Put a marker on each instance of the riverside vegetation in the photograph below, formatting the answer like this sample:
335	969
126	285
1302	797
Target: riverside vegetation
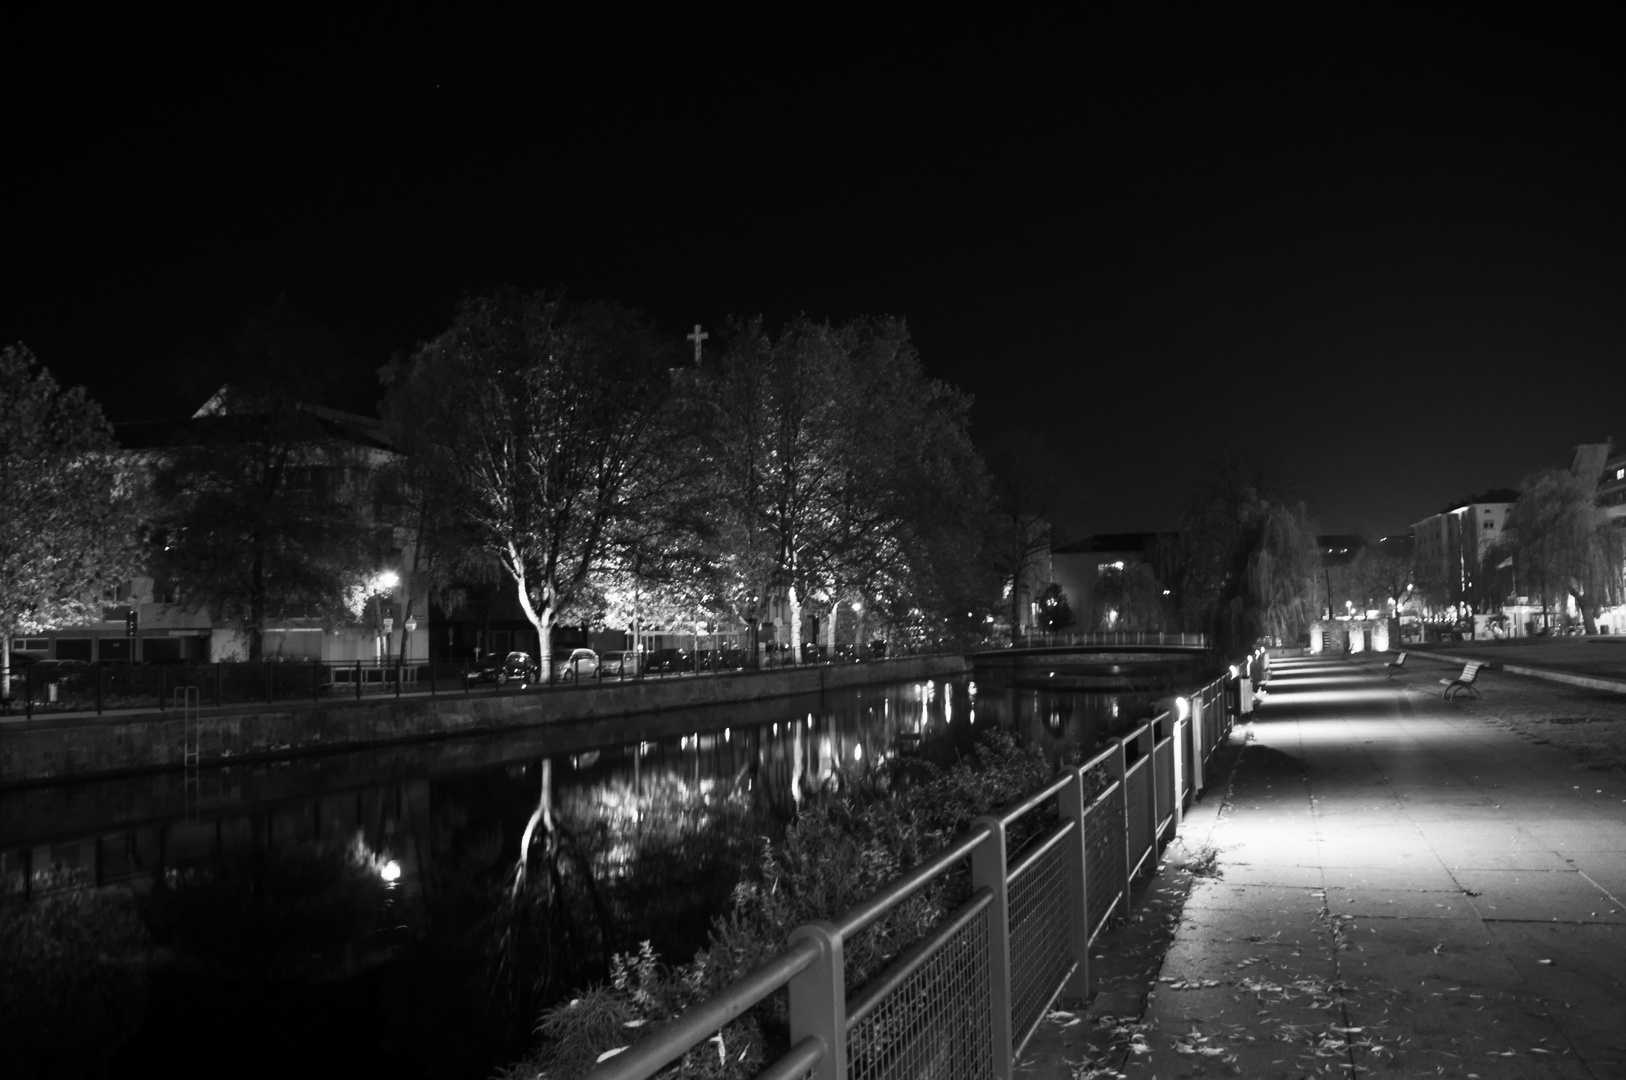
833	856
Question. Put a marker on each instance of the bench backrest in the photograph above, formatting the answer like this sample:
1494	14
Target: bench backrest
1401	659
1469	673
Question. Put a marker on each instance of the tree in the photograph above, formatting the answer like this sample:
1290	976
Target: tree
1383	574
1026	497
1251	560
1129	598
1055	612
842	470
1564	545
547	419
263	512
70	509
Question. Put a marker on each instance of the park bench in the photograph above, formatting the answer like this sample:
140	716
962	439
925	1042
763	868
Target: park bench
1395	666
1462	682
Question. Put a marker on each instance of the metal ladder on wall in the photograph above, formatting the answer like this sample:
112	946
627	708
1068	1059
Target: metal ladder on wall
186	706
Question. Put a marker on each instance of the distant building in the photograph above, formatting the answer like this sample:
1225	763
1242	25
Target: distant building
1612	487
1456	540
146	620
1078	566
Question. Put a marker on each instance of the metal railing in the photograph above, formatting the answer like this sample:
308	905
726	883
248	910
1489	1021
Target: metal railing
1042	638
965	999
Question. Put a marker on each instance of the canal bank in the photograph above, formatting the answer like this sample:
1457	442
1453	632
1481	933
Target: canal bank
65	748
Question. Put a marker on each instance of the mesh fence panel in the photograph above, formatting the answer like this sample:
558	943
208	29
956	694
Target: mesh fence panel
1163	758
1041	945
936	1024
1103	855
1138	796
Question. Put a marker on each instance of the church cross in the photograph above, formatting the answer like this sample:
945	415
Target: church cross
697	337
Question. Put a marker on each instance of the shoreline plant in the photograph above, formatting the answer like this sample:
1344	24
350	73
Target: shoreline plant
831	858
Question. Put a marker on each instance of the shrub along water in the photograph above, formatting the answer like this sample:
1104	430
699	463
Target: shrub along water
832	857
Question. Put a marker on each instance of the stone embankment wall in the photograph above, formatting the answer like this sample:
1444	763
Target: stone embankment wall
55	750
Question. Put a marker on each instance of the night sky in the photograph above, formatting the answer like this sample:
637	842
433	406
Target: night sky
1384	260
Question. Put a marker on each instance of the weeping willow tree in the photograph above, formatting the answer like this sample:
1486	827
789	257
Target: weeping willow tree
1250	563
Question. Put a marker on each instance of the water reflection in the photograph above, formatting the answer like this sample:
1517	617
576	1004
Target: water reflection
413	908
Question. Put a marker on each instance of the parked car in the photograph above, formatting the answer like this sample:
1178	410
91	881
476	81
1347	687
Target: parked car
516	667
68	675
668	661
617	665
581	664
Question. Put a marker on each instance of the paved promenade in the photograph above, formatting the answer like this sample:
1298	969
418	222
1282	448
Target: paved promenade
1400	888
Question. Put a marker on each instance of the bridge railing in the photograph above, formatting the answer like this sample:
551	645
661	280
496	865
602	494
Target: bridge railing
1041	638
972	992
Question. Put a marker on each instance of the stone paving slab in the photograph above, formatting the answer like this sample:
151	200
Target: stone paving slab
1554	896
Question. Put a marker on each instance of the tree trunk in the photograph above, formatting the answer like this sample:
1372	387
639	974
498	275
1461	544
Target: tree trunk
795	605
255	630
835	609
5	664
1589	610
540	615
542	815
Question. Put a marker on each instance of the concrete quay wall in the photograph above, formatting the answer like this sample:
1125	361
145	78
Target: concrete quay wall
54	750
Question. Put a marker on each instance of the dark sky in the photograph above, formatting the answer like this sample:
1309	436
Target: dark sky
1384	259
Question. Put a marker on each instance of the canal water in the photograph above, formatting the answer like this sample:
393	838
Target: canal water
360	911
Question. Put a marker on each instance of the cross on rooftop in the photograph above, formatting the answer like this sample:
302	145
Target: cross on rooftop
697	337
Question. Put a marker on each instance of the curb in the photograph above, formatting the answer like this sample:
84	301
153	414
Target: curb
1590	682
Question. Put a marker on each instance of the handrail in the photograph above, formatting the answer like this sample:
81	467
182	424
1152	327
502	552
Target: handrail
797	1061
1016	810
855	919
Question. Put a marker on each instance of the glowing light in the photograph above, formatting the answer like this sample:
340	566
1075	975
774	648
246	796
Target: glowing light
390	871
728	734
1182	708
858	752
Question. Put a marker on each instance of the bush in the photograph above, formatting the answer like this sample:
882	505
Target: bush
832	857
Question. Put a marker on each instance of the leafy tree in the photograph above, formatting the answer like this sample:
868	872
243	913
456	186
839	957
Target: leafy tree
70	510
1026	496
1381	573
1564	544
1055	612
263	509
1130	598
548	419
842	470
1250	560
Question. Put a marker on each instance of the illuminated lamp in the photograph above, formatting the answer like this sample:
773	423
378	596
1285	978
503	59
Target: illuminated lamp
390	871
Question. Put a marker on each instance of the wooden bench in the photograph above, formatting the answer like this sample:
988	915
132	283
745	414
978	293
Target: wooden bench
1462	682
1395	666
